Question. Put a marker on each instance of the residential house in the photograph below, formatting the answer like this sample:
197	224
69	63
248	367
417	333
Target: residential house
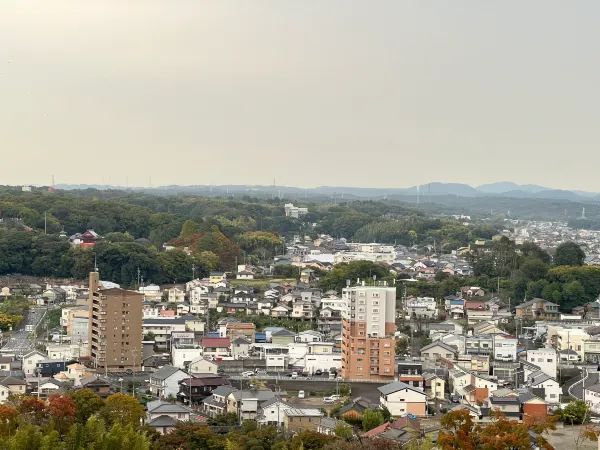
164	416
245	330
438	349
508	403
96	384
301	419
202	365
474	363
240	348
283	337
175	295
532	406
353	410
401	431
505	347
271	412
164	383
216	404
435	386
15	386
247	403
309	336
545	358
31	360
401	399
280	311
302	310
544	386
198	388
537	309
216	348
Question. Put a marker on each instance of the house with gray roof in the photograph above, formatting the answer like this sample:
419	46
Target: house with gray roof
164	383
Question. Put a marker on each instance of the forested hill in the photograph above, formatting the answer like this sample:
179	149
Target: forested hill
217	231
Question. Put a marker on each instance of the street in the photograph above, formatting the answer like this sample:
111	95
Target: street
19	342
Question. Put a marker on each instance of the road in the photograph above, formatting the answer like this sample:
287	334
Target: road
19	342
589	377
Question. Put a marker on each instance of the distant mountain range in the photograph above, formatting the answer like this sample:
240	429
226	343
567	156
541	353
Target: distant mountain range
500	189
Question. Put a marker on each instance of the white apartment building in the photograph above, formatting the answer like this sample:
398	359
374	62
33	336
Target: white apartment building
505	347
294	211
375	306
421	307
545	358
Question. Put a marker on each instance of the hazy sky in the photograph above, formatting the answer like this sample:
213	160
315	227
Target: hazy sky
323	92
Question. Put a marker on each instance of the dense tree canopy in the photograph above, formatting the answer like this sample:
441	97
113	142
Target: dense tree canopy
569	254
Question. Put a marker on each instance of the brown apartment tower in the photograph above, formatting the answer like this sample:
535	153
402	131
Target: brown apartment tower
115	327
368	326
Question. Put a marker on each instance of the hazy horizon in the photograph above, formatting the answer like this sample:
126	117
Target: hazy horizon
338	93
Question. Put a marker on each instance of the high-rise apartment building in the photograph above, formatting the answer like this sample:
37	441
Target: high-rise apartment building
115	327
368	326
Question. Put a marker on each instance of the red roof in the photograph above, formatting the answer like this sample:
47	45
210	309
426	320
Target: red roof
399	424
474	305
216	342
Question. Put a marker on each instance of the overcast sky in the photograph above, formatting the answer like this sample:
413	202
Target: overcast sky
370	93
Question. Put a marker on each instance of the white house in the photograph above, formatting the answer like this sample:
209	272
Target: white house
271	412
164	383
176	295
151	292
552	390
181	356
30	361
201	365
592	397
401	399
309	336
545	358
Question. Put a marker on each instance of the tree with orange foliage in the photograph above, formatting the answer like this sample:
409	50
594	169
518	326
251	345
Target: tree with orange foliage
8	420
460	432
62	411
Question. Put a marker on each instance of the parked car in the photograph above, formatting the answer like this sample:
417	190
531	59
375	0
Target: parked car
300	394
334	397
328	400
248	373
294	375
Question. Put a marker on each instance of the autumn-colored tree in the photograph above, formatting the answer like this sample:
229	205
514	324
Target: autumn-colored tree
8	420
457	431
31	409
122	409
62	411
87	403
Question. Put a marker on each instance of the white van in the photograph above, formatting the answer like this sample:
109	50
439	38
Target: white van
300	394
